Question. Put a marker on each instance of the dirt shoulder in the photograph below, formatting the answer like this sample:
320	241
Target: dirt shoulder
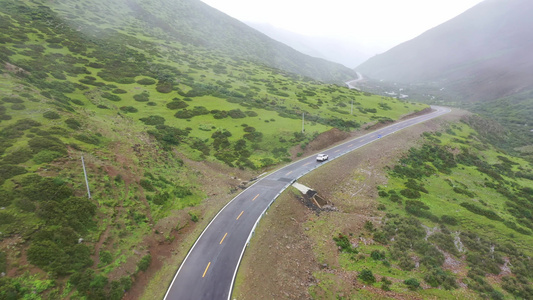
292	250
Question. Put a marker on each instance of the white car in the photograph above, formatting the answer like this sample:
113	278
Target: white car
322	157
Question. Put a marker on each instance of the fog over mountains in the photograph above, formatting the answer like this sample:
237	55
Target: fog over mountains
348	53
483	54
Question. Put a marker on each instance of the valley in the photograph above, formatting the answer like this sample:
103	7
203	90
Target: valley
176	109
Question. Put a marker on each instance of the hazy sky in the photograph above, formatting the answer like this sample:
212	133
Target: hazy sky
378	24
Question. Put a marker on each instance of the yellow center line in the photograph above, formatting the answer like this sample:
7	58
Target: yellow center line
307	163
288	173
240	215
350	145
336	151
255	197
223	238
206	269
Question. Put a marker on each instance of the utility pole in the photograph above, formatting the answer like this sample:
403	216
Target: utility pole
303	118
86	180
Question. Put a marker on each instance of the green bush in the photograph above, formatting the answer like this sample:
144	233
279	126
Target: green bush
481	211
73	123
143	97
25	205
9	171
344	244
411	194
445	242
89	139
46	156
119	91
377	255
3	262
129	109
366	276
146	81
177	104
412	284
6	218
449	220
18	156
50	143
145	262
147	185
194	216
153	120
18	106
105	257
111	97
52	115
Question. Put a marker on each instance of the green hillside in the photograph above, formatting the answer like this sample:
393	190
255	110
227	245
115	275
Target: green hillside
168	124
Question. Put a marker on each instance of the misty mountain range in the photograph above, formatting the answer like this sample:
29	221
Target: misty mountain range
348	53
483	54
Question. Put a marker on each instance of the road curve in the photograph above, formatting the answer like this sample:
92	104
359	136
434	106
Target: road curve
209	269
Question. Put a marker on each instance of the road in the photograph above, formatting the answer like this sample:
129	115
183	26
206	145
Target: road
351	83
210	267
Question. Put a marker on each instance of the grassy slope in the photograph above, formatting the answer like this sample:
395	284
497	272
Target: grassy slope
68	81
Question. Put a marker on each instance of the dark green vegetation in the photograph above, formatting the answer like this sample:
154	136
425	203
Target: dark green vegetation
457	212
137	93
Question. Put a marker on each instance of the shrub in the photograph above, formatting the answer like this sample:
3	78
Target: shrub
46	156
38	144
236	114
143	97
406	263
111	97
105	257
366	276
52	115
18	106
89	139
481	211
153	120
146	81
9	171
448	220
25	205
73	123
412	284
129	109
377	255
6	218
164	87
177	104
147	185
194	216
344	244
411	194
3	262
119	91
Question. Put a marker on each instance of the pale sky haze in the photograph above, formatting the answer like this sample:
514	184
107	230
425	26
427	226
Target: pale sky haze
377	24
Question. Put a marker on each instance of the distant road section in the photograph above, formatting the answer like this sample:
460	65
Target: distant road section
209	269
351	83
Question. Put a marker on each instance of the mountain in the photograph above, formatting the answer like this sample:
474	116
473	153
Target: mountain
483	54
195	23
162	110
348	53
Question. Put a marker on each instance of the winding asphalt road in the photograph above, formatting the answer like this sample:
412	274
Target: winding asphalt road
210	267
